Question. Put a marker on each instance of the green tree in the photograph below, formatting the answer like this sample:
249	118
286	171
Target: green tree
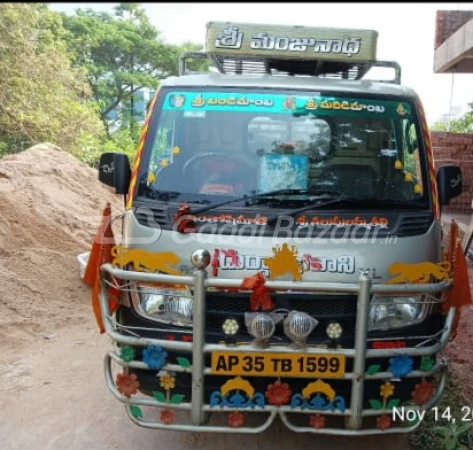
41	97
122	53
463	124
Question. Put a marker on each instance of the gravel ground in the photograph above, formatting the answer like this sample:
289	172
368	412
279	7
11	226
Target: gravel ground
53	396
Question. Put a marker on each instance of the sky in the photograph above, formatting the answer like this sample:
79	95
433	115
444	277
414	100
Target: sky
406	33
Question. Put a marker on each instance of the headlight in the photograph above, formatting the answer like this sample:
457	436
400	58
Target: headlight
389	312
166	305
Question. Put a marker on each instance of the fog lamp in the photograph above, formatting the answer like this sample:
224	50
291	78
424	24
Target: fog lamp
230	327
298	326
262	325
334	330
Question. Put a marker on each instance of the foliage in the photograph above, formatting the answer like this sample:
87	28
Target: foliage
452	434
61	77
463	124
442	434
42	97
122	53
90	148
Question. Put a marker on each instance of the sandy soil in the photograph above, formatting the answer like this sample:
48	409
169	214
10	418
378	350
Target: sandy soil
50	209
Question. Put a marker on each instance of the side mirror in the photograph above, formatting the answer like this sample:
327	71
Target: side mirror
449	182
115	171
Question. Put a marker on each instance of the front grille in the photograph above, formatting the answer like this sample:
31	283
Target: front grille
149	216
324	308
411	225
415	225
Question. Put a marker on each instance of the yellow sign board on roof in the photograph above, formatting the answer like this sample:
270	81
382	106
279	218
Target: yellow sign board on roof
293	42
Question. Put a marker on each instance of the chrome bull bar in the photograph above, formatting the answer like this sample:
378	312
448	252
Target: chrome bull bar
197	407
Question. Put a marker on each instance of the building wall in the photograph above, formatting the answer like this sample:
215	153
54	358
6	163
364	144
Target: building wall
456	148
447	22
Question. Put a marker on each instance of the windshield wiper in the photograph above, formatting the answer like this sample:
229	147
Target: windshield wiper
252	197
384	201
346	199
294	212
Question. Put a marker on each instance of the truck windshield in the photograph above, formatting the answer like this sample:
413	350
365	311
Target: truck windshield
209	146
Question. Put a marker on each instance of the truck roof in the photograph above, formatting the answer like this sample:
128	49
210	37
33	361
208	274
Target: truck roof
285	81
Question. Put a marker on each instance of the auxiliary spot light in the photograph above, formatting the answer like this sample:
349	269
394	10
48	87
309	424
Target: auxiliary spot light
334	330
230	327
298	325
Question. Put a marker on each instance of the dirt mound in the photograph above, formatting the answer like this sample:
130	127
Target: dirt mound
50	209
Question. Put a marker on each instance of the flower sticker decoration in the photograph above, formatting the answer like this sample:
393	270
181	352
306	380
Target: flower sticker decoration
387	389
136	412
278	393
373	369
167	382
183	362
423	392
127	353
383	422
400	365
235	419
317	421
154	356
427	364
127	384
167	416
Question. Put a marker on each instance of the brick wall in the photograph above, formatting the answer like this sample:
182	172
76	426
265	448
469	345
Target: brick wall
456	148
447	22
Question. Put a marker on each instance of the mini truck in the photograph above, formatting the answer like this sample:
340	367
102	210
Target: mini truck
282	249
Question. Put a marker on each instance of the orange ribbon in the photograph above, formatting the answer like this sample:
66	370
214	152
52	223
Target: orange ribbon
259	297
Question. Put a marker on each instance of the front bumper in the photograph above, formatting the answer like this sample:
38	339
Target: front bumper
349	416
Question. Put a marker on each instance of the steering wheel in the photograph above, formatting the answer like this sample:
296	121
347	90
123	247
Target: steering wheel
196	162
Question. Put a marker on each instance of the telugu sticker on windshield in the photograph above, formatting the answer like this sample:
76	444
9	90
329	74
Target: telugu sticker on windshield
195	114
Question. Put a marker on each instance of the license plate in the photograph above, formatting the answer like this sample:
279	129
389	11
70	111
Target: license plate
278	364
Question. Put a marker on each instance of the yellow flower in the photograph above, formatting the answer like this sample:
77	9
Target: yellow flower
167	382
151	178
387	389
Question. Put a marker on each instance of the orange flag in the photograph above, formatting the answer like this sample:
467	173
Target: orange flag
101	253
459	294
